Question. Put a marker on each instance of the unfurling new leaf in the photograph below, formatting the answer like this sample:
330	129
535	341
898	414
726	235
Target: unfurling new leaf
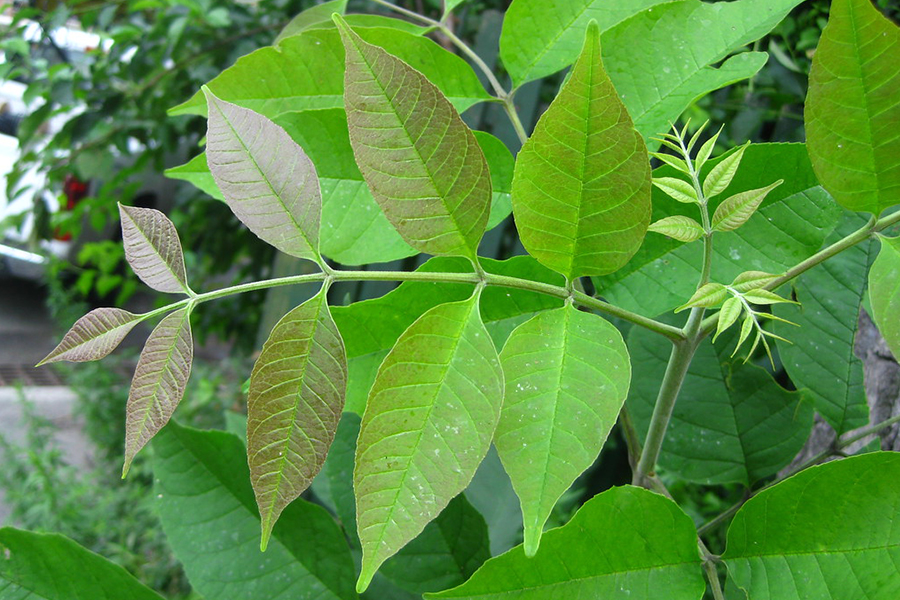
159	381
93	336
267	180
421	162
678	227
735	210
752	280
708	296
567	375
729	313
153	249
297	391
581	187
722	174
679	189
428	424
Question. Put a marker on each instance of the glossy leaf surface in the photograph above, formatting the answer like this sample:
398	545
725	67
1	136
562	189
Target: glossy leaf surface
624	543
266	178
93	336
884	292
732	422
820	357
207	509
421	162
52	567
159	381
428	423
567	374
297	391
311	16
153	249
828	532
790	225
310	69
853	107
581	188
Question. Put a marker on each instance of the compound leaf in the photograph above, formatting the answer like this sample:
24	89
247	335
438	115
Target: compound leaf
884	292
853	107
52	567
266	178
581	187
297	391
153	249
624	542
827	532
733	422
421	162
208	512
159	381
567	374
93	336
428	423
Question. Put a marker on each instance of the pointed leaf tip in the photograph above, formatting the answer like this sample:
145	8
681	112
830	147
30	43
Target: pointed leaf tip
267	179
93	336
153	249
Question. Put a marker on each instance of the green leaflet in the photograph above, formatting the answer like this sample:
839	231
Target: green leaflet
52	567
371	328
310	69
661	59
159	381
420	160
354	229
153	249
311	16
297	391
428	424
93	336
820	357
625	542
449	5
790	226
853	107
541	37
371	21
732	422
207	509
567	374
828	532
884	292
581	188
267	180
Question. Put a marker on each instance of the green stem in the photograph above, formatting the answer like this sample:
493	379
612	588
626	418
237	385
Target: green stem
473	56
668	331
836	448
409	13
712	573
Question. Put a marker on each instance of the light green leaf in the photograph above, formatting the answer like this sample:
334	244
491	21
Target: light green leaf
827	532
358	21
581	188
397	118
735	210
267	180
729	313
708	296
625	542
297	390
732	423
661	60
676	188
153	249
208	512
371	328
93	336
821	357
853	107
706	149
310	68
312	15
793	221
428	423
52	567
541	37
567	375
764	297
196	172
672	161
752	280
721	175
681	228
884	292
159	381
